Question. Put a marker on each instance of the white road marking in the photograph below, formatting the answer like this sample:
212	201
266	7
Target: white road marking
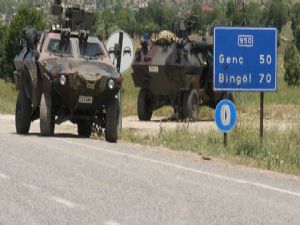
63	202
218	176
111	222
32	187
3	176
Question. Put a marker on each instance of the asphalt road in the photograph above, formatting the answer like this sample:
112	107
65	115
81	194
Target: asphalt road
68	180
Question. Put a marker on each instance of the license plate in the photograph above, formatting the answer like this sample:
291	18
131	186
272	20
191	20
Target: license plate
153	69
85	99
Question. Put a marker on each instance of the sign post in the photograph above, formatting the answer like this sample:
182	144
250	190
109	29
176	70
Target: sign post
245	59
261	117
121	51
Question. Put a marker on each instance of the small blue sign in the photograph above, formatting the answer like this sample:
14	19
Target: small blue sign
225	116
245	59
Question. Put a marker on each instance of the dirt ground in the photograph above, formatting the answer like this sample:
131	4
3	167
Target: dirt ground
157	123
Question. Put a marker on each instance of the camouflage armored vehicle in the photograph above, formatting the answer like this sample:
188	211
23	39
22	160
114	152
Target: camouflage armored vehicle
65	74
173	70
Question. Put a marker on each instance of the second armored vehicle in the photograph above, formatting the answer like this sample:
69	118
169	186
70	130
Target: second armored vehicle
65	74
173	70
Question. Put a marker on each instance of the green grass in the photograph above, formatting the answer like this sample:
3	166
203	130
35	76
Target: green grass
280	151
130	94
8	96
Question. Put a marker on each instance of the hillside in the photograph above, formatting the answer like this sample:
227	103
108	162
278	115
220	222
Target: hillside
9	6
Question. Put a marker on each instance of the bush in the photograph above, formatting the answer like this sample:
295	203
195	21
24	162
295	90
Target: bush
297	37
295	19
26	17
292	66
277	14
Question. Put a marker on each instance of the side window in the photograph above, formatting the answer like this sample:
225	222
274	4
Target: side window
55	46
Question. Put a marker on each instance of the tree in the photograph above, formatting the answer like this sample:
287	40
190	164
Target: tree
105	23
125	20
292	66
295	18
2	55
235	14
217	18
277	14
26	17
198	11
297	36
253	14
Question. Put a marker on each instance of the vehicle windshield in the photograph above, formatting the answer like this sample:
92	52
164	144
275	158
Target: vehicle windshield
90	49
55	46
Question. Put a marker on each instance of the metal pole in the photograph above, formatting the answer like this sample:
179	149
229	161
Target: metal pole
119	69
226	134
261	130
225	139
120	53
121	110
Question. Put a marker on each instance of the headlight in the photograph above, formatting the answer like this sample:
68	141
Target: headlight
63	80
111	84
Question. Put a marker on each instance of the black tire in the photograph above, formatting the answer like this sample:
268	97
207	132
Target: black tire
144	106
23	113
112	121
46	115
191	105
84	128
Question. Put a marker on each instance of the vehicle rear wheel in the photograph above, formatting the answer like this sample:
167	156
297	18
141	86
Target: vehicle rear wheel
23	113
144	107
112	121
46	115
84	128
191	105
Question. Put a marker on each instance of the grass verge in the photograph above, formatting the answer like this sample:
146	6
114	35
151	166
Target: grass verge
279	152
8	96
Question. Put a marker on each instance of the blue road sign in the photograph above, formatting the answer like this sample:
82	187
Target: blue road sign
225	116
245	59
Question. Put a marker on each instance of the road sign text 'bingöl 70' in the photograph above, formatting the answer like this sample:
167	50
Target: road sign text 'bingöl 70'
245	59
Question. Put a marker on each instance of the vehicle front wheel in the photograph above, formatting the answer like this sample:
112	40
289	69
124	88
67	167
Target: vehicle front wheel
23	113
191	105
46	115
144	107
84	128
112	121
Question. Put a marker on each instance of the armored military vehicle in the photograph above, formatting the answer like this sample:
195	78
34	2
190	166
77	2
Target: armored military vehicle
66	74
170	69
